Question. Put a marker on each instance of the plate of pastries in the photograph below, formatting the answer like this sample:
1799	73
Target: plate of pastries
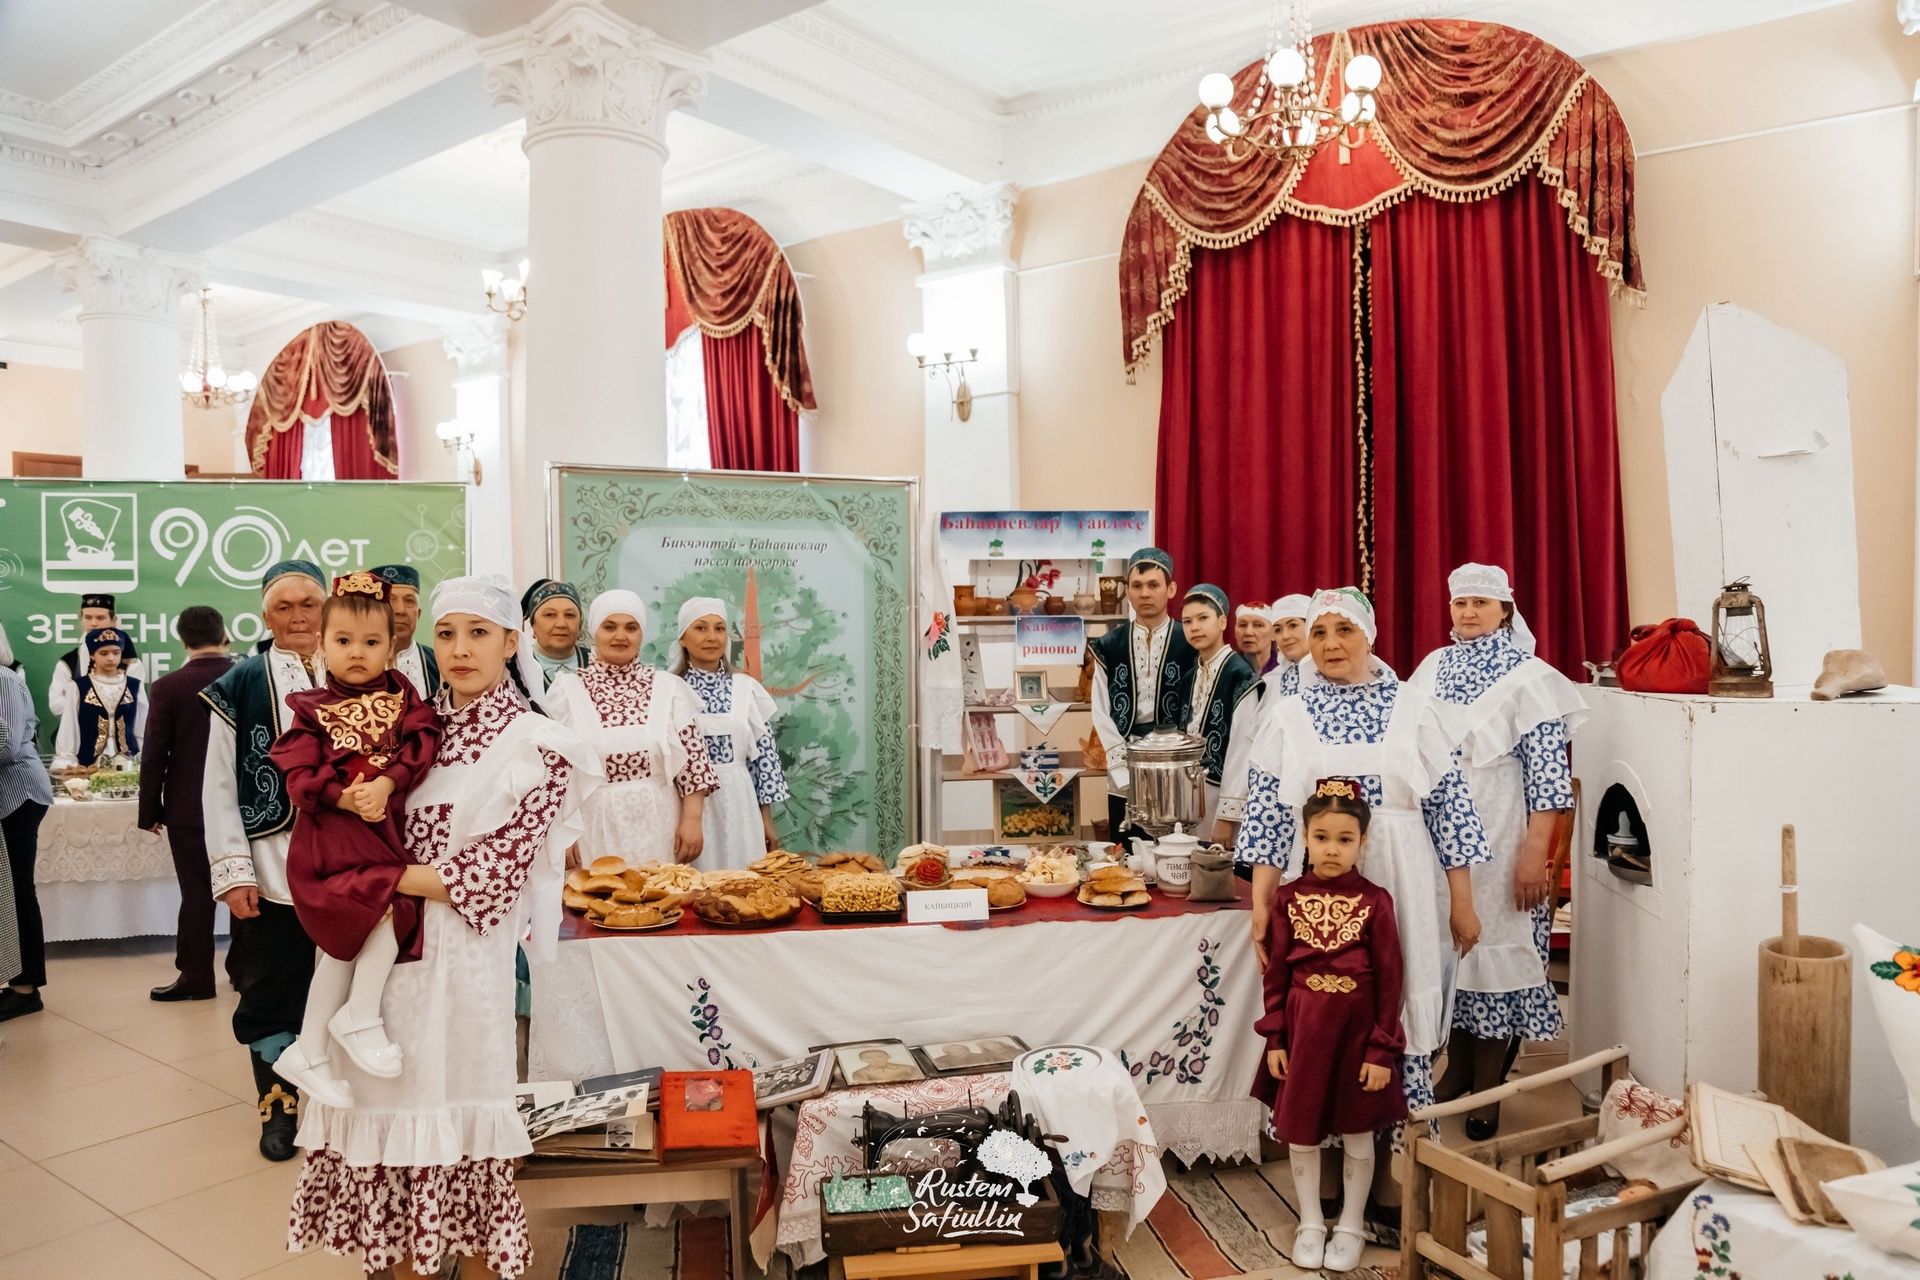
1051	873
746	901
1004	892
860	895
1114	888
634	899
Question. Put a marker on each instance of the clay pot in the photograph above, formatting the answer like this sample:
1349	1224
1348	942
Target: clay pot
1022	600
1085	602
989	607
963	601
1055	605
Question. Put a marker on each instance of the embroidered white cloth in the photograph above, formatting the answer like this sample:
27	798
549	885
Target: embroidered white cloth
1045	784
1129	1181
1042	715
95	840
1082	1092
1747	1233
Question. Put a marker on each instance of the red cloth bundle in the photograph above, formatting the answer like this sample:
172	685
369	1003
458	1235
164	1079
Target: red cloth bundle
1668	657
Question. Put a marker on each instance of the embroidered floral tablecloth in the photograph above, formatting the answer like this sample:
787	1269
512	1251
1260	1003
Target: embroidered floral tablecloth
1724	1232
94	841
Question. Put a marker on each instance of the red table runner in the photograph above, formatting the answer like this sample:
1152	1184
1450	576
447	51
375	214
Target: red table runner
575	925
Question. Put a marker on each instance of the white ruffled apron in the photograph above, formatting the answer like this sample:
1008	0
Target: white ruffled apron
1399	857
735	835
633	819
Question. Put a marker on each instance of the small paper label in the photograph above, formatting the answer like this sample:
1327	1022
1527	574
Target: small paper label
937	906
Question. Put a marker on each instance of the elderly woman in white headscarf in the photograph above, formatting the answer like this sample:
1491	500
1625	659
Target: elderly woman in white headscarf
1287	624
1515	714
736	718
1353	718
645	724
421	1165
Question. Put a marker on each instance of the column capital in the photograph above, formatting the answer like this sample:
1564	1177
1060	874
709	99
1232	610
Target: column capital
478	346
114	278
967	228
580	68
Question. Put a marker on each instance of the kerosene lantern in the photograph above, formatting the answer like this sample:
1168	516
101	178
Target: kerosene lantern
1742	665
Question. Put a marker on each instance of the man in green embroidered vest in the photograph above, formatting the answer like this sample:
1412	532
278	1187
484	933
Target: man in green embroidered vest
1222	676
1141	673
248	820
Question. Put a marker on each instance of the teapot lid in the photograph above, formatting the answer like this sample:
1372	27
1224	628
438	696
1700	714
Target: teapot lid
1166	744
1180	837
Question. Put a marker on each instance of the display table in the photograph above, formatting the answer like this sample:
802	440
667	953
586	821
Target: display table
1724	1230
100	876
1174	988
573	1184
825	1145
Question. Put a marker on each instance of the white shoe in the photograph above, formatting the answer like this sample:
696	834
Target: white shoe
367	1045
1309	1247
313	1078
1344	1249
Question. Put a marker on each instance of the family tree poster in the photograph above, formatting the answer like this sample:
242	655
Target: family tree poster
818	575
159	546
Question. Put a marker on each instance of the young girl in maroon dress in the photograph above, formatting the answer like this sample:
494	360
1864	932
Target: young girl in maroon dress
1333	1020
355	747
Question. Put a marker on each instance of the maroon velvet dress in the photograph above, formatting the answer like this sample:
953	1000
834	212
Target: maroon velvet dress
341	869
1333	1003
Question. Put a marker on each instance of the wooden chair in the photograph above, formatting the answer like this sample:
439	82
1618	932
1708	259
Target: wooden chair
969	1262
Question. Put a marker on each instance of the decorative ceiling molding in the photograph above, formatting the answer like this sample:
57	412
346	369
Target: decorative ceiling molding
579	69
856	43
114	278
966	228
357	233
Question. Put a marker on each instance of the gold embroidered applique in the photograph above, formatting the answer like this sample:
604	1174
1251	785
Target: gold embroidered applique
1328	921
362	725
1338	984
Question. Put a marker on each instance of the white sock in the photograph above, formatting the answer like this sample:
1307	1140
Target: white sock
332	979
1305	1164
1356	1180
370	970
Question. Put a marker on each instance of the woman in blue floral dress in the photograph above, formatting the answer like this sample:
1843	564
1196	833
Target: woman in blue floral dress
1353	718
1514	714
736	717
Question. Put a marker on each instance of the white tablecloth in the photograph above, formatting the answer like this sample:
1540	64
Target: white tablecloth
99	876
1723	1230
1177	995
825	1145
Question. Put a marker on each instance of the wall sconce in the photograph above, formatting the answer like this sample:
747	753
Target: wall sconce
506	295
458	441
948	366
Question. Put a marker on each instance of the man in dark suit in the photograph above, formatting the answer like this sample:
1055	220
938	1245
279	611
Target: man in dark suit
172	765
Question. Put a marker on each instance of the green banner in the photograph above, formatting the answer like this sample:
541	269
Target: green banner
819	575
159	547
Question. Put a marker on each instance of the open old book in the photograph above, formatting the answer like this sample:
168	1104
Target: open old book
1755	1143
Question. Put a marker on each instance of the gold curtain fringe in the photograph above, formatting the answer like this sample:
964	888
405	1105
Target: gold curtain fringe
1362	310
769	308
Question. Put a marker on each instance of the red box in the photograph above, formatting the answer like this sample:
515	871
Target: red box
727	1122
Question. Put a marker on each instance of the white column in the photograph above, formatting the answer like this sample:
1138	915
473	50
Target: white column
969	300
482	389
130	356
597	90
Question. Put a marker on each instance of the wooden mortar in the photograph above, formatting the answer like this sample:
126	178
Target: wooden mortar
1806	1015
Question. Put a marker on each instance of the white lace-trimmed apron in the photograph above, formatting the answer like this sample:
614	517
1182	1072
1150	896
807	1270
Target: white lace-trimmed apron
633	819
1399	857
735	835
1505	958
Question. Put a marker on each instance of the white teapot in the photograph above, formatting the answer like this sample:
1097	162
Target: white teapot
1141	861
1173	861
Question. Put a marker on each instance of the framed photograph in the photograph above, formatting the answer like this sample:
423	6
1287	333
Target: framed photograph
969	1057
589	1109
1030	686
794	1080
1021	818
877	1062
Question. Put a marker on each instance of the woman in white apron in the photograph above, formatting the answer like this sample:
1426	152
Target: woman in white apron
1354	719
736	718
645	725
1288	618
1514	714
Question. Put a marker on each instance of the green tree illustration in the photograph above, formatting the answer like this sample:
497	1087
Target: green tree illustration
805	666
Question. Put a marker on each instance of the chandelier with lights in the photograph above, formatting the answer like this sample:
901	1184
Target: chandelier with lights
505	295
203	383
1285	115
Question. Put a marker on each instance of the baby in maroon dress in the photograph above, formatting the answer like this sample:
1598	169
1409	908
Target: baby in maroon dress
353	750
1333	1020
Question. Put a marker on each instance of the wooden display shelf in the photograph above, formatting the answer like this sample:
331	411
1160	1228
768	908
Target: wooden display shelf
986	709
1068	760
1006	619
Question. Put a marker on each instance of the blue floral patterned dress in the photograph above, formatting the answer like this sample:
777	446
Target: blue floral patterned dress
1396	741
1515	714
736	717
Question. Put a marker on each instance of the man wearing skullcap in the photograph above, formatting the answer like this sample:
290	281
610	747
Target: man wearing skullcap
1142	673
249	818
97	610
411	659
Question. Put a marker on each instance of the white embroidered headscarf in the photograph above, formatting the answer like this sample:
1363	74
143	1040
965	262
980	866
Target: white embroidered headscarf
611	604
486	595
691	612
1293	606
1489	582
1253	611
1352	604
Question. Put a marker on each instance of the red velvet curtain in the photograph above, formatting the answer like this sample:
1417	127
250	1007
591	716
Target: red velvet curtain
330	368
280	454
750	426
1493	422
353	455
1258	429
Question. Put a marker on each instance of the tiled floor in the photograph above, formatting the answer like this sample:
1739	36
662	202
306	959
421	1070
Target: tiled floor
127	1132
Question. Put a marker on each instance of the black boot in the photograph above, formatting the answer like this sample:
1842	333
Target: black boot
279	1111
